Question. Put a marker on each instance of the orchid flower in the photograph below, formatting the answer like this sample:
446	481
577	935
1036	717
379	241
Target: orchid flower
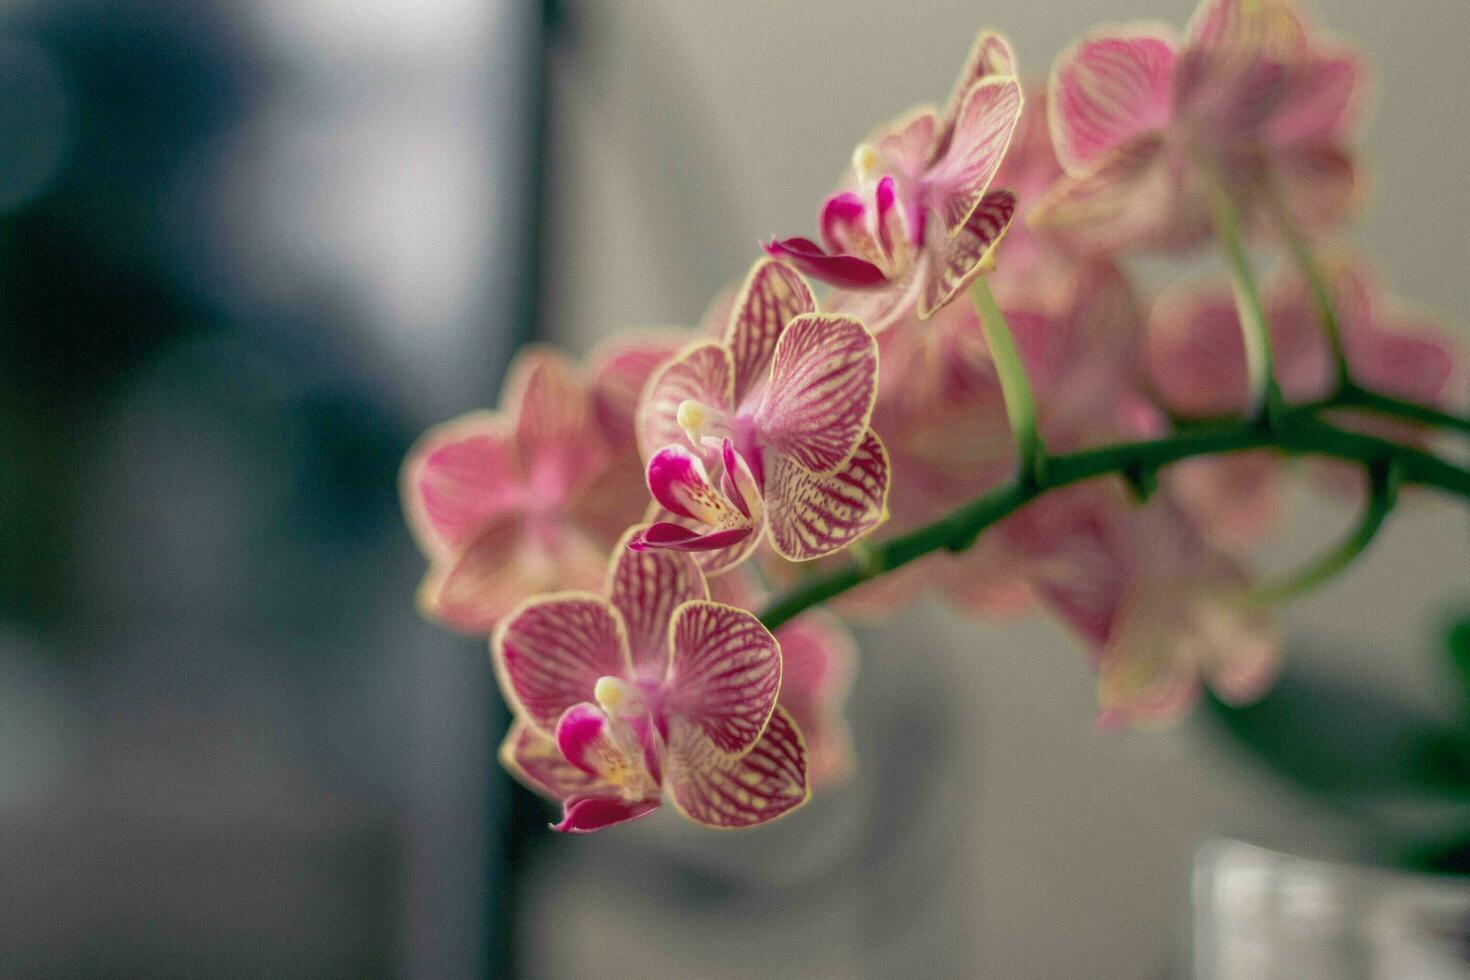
526	499
1143	124
765	434
1163	613
818	659
1196	359
943	416
916	219
649	687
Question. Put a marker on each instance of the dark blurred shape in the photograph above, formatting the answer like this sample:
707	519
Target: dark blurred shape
228	745
1401	771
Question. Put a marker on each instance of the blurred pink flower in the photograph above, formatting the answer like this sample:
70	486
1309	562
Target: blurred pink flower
652	688
765	434
818	659
526	499
944	421
1251	93
916	219
1163	612
1196	358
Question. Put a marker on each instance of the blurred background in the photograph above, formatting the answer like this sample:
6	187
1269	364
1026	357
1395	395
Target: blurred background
250	248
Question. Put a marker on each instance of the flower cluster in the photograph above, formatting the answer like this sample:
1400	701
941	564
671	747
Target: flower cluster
693	471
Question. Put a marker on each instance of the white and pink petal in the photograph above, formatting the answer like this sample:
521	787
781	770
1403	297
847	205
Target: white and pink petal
723	792
824	381
811	516
550	654
724	675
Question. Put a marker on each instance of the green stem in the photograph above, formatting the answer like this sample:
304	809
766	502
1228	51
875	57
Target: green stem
1297	431
1383	495
1306	262
1265	396
1015	384
1355	397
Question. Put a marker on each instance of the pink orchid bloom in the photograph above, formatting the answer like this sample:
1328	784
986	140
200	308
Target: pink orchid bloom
1196	358
525	499
943	416
916	220
765	434
818	660
648	688
1250	94
1162	611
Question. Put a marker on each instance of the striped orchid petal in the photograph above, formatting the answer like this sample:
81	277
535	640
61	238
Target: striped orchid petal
954	263
907	143
457	477
986	121
701	373
551	654
768	781
818	659
724	674
1109	89
990	56
773	293
646	587
811	516
824	379
532	757
1273	27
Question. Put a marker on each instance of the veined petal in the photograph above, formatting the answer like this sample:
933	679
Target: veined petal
907	144
766	782
990	55
701	373
550	654
983	129
824	379
724	674
583	815
1273	28
1109	89
457	477
818	659
847	271
531	756
646	587
952	264
773	293
811	516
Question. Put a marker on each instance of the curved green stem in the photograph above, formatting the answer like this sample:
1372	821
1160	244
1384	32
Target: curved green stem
1297	431
1306	262
1383	495
1265	396
1015	384
1353	396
